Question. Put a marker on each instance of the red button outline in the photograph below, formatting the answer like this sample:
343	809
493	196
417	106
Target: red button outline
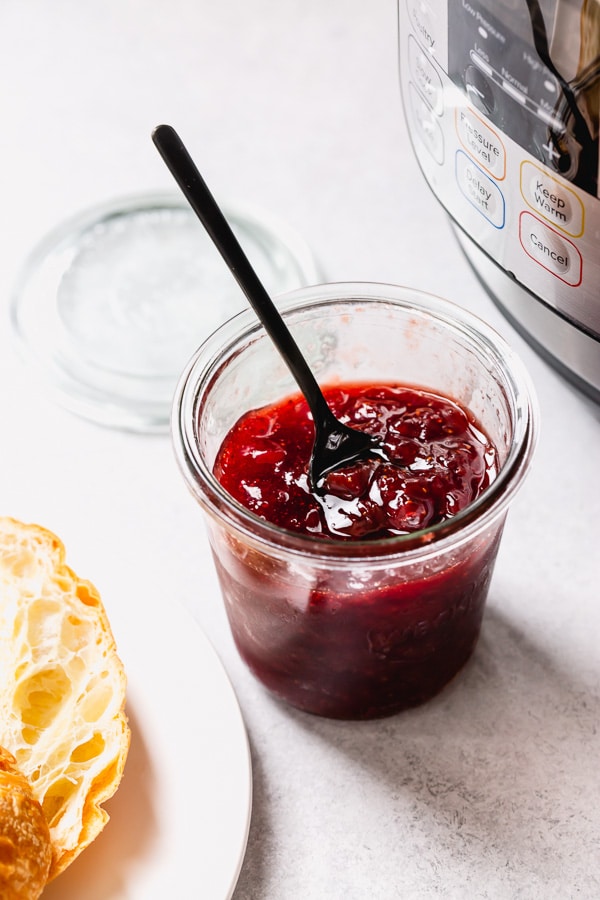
562	238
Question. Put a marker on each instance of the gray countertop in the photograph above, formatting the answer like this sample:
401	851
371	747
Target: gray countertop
491	790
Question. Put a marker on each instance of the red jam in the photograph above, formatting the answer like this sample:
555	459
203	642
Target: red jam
333	640
439	463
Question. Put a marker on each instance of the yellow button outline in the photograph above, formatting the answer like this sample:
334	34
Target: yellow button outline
561	186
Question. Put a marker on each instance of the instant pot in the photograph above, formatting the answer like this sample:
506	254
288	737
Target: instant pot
502	100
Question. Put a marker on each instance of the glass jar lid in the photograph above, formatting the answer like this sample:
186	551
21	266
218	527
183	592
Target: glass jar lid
109	306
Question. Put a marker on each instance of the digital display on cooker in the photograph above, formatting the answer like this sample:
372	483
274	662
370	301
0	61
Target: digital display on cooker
521	64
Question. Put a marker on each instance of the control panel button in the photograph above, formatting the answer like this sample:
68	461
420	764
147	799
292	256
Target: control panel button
548	248
425	77
425	24
551	199
481	191
426	125
481	142
479	90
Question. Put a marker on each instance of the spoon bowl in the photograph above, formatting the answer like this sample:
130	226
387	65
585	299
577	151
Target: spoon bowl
336	444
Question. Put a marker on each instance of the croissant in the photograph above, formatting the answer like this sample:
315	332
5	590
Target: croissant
62	703
25	847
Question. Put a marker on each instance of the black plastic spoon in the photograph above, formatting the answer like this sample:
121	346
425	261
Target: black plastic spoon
336	444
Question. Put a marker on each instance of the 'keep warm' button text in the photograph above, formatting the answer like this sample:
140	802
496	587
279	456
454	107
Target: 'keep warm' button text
550	249
552	199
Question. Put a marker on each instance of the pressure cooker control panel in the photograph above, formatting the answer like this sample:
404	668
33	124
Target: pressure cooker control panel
506	144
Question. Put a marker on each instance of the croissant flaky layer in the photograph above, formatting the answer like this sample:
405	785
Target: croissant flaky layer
62	689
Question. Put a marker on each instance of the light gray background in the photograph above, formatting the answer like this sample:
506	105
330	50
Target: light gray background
489	791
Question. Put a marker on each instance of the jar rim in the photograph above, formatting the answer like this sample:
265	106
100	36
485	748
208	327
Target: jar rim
244	327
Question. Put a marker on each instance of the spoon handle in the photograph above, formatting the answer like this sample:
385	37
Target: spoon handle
182	167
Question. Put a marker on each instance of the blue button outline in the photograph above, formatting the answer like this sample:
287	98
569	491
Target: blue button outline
487	178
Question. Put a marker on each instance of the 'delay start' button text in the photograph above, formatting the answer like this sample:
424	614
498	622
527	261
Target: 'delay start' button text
483	193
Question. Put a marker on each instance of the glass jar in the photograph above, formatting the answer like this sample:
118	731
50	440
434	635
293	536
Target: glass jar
363	628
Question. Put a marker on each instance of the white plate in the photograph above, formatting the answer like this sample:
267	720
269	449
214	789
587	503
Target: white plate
179	821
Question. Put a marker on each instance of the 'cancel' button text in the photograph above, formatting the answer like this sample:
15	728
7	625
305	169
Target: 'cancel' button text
550	249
